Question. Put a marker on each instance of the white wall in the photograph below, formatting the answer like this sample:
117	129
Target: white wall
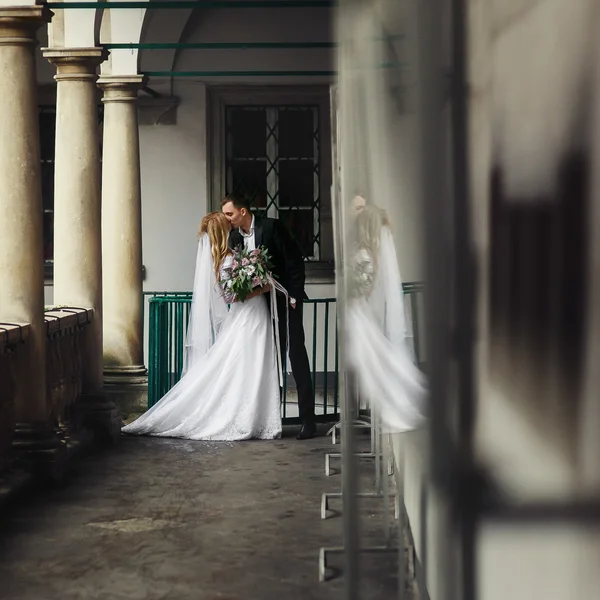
174	193
405	213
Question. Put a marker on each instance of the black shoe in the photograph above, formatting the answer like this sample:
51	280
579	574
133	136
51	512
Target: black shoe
307	432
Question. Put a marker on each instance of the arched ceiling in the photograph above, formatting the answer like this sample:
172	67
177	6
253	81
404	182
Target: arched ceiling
76	28
164	26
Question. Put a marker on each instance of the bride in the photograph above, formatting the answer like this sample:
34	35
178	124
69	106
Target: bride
376	327
230	387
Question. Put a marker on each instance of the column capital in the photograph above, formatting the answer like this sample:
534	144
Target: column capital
18	24
121	88
75	64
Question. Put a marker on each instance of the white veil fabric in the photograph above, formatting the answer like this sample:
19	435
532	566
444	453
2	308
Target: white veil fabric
378	350
375	126
208	307
386	301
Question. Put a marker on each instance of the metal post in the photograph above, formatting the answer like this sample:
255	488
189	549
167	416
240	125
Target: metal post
437	251
349	498
325	357
465	292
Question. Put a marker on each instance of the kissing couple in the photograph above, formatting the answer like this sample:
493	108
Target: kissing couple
230	386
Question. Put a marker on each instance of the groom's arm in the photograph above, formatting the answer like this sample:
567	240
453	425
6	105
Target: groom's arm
293	259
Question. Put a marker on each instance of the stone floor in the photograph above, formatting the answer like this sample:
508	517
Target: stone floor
171	519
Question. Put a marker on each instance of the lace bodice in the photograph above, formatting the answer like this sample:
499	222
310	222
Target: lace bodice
224	276
225	265
362	274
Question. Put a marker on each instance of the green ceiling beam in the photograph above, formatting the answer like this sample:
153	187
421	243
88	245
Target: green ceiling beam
240	73
219	45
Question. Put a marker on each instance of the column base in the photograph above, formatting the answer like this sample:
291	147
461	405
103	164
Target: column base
39	449
100	415
134	374
127	387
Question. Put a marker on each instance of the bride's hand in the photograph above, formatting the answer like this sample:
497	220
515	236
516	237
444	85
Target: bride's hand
258	291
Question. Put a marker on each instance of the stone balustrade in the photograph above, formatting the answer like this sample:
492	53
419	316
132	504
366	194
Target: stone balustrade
63	373
12	336
65	327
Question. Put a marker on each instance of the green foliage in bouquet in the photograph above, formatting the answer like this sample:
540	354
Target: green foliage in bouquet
248	271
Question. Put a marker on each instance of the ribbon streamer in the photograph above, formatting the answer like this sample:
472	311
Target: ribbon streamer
277	287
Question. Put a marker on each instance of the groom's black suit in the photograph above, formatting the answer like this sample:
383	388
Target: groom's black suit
288	267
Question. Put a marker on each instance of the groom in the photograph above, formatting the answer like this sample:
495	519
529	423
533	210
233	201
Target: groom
251	231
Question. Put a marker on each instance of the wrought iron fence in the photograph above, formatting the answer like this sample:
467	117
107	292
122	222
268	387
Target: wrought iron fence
167	319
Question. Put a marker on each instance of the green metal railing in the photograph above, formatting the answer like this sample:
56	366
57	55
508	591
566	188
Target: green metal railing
168	315
413	297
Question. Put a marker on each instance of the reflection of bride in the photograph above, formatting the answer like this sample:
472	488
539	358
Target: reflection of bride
376	326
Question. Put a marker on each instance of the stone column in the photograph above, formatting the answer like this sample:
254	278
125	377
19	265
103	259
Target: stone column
77	214
21	252
77	210
122	239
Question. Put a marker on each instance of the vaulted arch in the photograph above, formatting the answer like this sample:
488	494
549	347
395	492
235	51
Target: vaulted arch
164	26
120	26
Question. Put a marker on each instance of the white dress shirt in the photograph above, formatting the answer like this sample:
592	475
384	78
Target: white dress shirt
250	244
249	238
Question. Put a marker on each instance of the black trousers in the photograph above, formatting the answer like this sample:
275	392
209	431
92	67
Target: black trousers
298	356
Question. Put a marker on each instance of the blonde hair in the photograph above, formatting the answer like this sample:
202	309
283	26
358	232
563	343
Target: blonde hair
216	226
368	230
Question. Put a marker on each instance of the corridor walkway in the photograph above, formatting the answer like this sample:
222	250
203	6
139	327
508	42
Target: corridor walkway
169	519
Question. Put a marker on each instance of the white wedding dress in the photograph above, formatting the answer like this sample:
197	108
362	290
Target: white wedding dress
230	387
377	346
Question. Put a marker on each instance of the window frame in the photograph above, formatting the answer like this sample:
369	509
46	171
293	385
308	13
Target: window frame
221	97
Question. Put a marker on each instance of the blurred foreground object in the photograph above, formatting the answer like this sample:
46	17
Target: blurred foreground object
495	170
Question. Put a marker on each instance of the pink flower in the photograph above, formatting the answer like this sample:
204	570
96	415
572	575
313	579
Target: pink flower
253	259
245	262
256	282
235	264
255	252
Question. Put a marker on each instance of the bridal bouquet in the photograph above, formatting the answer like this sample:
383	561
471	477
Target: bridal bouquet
248	271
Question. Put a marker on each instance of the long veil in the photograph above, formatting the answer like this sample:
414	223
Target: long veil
378	349
386	299
208	307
